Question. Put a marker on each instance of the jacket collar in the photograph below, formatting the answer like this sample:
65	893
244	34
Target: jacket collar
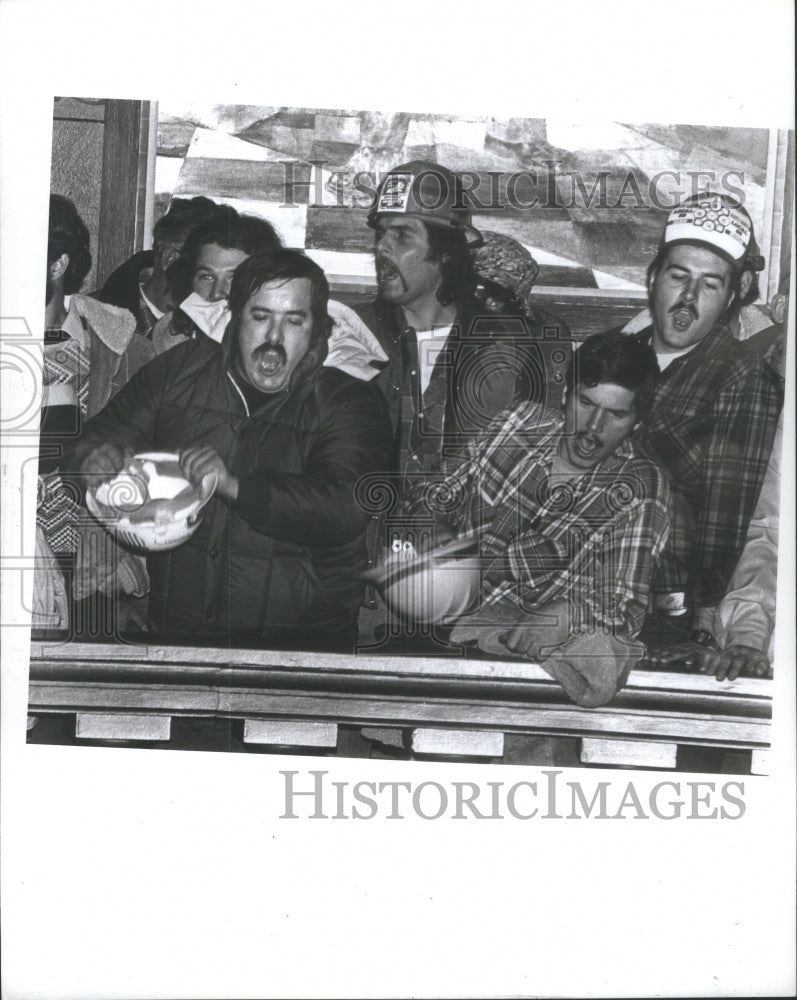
114	326
719	334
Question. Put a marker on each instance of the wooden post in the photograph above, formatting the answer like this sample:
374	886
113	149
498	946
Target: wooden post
124	184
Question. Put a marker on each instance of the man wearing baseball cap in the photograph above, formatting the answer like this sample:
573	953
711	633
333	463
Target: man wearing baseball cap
452	363
714	416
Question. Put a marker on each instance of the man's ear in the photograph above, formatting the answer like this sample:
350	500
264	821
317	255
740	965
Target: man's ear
777	307
57	268
168	255
744	283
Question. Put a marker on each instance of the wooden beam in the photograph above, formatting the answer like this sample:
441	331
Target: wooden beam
119	726
458	742
371	710
293	734
124	181
494	696
628	753
48	658
759	763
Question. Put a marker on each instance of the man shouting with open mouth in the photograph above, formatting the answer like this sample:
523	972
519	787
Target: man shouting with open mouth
714	415
277	556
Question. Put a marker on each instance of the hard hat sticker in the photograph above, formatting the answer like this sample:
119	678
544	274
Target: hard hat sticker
395	193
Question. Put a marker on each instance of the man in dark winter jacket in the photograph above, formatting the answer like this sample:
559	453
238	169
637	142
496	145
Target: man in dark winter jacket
277	555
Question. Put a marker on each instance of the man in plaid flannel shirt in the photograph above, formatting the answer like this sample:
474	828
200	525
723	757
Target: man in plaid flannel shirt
570	519
714	414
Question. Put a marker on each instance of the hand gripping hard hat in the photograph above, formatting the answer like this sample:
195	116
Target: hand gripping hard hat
150	505
426	191
431	588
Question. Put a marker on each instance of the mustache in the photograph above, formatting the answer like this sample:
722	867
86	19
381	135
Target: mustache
264	348
684	305
385	267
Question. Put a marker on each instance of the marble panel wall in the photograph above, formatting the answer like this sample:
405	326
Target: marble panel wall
588	199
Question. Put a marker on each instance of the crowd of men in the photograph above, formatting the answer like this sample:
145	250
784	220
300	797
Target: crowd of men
622	507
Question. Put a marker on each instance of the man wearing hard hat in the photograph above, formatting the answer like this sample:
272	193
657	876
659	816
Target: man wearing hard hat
452	363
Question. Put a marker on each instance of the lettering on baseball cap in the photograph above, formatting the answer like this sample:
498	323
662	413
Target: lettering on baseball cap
715	221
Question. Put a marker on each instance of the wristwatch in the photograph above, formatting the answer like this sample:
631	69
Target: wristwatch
703	637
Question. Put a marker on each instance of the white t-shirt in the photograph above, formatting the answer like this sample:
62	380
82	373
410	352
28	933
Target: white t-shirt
665	360
430	344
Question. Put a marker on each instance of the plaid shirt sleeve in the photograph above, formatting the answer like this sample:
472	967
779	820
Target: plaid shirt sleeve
597	551
627	553
734	465
449	496
531	560
444	497
604	573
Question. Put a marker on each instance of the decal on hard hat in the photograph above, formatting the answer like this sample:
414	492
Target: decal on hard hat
395	193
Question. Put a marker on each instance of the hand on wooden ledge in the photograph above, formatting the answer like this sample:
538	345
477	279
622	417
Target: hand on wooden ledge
535	641
735	661
744	661
686	653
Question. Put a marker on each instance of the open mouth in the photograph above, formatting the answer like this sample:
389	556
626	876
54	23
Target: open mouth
386	272
270	360
683	318
586	447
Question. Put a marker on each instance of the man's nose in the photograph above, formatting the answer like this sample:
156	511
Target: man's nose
690	292
595	421
274	333
220	289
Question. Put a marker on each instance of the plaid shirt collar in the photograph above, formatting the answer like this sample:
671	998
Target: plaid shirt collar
711	343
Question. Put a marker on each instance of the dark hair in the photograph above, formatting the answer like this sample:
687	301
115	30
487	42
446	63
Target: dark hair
281	265
227	229
620	359
67	234
181	217
448	246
